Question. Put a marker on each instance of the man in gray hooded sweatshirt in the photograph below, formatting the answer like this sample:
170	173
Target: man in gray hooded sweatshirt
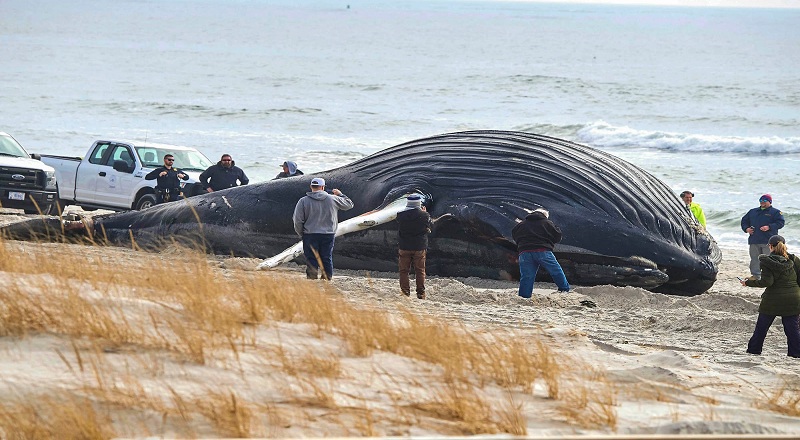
315	221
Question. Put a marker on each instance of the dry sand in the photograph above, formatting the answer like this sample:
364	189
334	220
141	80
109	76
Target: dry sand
692	349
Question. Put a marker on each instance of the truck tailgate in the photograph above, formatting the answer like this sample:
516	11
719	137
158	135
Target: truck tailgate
66	170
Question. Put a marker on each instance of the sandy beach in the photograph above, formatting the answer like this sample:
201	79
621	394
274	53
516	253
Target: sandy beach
659	364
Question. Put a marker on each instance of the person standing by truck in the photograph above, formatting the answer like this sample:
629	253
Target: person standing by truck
225	174
168	181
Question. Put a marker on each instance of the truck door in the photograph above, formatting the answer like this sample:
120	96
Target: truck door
114	189
90	171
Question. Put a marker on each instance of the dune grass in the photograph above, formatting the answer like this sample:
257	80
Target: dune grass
785	399
128	319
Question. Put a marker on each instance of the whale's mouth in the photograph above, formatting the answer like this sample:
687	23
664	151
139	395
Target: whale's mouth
594	269
684	282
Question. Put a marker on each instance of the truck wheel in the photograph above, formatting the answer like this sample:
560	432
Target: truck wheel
146	201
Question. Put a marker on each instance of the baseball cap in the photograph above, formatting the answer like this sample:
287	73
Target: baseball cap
775	239
318	181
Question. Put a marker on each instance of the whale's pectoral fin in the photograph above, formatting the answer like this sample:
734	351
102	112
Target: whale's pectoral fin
286	256
386	213
596	269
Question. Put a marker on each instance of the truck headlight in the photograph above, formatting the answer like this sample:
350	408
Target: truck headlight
50	180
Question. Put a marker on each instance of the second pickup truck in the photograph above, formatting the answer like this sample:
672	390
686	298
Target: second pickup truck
111	175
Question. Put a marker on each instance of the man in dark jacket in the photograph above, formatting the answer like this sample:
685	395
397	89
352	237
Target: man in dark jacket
761	223
225	174
168	181
536	236
414	225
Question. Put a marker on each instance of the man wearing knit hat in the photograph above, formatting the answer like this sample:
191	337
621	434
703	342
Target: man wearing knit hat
761	223
414	225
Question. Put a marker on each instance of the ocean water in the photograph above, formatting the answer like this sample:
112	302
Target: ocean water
706	99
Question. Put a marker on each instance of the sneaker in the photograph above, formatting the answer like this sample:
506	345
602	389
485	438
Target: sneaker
563	291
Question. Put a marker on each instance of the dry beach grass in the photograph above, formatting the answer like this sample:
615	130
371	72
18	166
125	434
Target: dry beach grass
97	342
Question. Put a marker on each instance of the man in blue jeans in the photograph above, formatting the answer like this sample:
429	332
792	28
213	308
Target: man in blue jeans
536	236
315	221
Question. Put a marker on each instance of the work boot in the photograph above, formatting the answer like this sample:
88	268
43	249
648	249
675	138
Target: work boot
311	273
405	293
421	295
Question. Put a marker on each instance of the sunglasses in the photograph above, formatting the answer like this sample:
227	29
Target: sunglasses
169	160
227	160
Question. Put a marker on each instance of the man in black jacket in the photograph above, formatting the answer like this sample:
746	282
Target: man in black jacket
414	227
168	181
225	174
536	236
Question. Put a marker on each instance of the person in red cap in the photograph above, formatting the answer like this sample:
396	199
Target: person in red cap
761	223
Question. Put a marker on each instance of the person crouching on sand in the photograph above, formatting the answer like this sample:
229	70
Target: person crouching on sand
781	297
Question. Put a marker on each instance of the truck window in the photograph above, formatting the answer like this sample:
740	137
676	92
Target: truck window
10	147
149	157
120	152
99	152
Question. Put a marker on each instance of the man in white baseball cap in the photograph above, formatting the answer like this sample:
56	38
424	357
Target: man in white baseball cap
315	221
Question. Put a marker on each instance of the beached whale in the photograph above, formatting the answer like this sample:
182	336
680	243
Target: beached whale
621	225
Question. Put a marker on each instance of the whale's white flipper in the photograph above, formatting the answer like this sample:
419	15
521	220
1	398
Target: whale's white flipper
363	221
287	255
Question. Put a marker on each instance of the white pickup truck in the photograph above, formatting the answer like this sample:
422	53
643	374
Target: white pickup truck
25	182
111	176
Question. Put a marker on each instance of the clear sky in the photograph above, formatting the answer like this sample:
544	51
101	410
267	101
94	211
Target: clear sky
704	3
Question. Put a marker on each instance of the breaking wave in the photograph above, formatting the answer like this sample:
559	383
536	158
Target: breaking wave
603	135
